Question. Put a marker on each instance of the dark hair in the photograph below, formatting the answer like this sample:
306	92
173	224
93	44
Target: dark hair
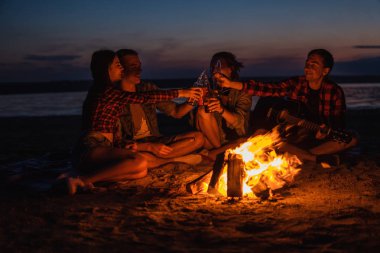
230	60
123	52
100	62
328	59
128	69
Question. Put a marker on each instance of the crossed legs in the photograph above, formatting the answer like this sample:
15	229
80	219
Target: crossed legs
108	164
183	144
326	148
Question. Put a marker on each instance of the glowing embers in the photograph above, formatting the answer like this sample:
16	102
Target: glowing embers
255	167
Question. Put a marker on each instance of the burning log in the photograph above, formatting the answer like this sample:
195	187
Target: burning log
252	169
217	171
261	190
235	175
209	181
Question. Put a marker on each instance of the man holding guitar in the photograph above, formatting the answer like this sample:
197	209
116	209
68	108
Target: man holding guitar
324	98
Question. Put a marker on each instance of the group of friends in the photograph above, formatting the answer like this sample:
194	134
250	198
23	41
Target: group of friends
120	136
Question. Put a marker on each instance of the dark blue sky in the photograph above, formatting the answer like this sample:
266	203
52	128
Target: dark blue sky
54	40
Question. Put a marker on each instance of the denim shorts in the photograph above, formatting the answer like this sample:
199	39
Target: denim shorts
87	142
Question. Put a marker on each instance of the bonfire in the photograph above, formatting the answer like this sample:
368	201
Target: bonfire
250	169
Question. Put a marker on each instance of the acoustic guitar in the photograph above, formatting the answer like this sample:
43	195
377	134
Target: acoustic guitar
282	114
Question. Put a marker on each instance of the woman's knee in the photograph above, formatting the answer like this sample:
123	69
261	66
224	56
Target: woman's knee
138	164
141	162
141	174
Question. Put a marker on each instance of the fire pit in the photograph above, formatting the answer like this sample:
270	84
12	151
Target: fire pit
249	170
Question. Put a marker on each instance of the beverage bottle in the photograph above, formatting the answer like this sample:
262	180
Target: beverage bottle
212	92
202	82
218	69
210	96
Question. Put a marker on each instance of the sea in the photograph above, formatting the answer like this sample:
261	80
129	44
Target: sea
358	96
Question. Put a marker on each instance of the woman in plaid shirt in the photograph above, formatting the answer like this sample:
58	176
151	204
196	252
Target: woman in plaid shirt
324	98
97	156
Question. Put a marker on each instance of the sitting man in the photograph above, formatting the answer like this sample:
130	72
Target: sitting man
226	118
324	98
139	122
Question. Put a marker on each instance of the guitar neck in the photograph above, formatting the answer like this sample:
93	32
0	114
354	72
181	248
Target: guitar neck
283	115
303	123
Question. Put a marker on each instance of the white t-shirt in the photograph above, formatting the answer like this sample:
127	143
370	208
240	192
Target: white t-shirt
139	122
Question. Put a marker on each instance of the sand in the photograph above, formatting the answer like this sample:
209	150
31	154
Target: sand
328	210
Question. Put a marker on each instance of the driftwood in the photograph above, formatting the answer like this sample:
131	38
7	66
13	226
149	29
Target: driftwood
217	171
235	174
208	182
261	189
200	184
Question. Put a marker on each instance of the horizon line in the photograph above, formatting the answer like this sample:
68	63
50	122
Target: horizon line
188	78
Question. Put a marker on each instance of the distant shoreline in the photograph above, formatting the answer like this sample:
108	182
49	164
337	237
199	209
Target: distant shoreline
83	85
27	137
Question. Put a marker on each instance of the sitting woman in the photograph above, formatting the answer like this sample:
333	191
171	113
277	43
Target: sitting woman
98	155
226	118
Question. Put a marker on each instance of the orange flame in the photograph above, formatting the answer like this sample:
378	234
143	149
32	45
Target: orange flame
262	165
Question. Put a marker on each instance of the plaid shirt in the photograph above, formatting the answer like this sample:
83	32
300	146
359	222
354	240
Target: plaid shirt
332	106
127	129
106	108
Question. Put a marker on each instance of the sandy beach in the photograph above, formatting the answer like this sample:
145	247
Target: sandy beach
324	210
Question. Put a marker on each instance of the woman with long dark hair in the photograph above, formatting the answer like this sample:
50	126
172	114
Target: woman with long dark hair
99	155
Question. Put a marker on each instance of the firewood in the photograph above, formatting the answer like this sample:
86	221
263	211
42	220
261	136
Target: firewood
235	174
200	184
259	188
217	171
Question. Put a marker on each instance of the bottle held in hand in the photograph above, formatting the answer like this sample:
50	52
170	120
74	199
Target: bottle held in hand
202	82
213	91
218	69
212	95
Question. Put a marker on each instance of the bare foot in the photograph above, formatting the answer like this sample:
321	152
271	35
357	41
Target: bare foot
73	183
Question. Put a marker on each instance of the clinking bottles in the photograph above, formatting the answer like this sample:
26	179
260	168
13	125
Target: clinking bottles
204	83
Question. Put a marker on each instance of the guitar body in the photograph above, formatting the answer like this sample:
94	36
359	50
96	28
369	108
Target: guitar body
292	107
289	112
258	118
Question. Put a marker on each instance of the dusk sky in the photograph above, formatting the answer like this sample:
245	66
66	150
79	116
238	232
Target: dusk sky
54	40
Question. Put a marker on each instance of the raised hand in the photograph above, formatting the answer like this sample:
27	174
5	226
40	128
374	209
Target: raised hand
192	93
214	105
223	81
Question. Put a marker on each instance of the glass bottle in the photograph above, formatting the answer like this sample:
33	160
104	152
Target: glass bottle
212	91
218	69
201	82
